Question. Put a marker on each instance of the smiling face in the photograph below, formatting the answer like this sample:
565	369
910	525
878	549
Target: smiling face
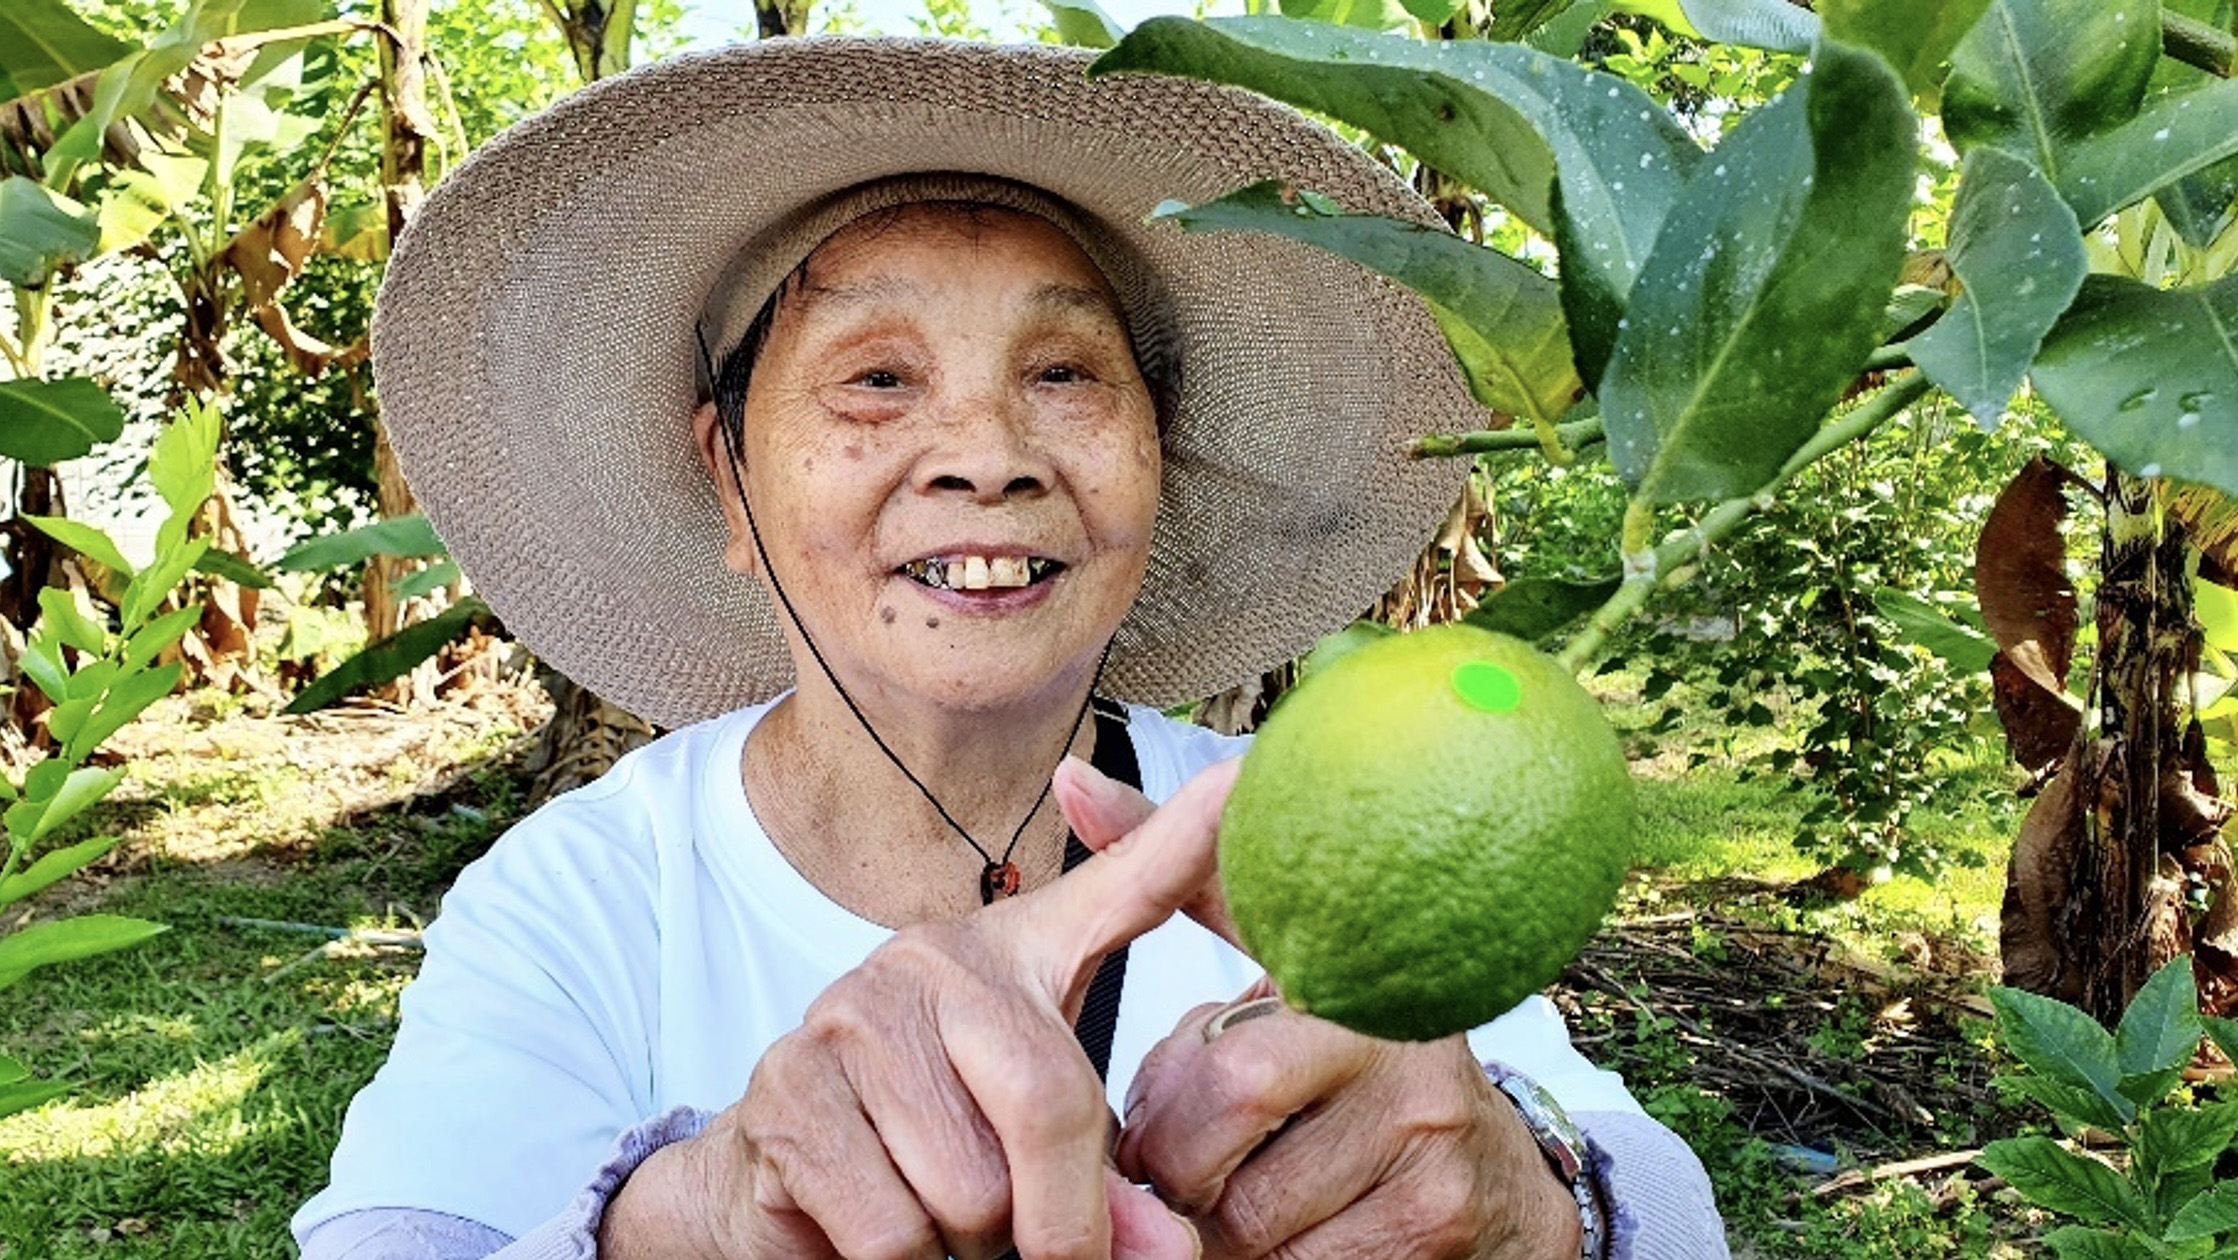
952	458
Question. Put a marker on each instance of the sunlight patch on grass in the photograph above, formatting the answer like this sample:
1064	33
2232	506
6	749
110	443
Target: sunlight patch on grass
197	1111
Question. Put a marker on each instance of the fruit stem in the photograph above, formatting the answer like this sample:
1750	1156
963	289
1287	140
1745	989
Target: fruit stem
1670	564
1574	436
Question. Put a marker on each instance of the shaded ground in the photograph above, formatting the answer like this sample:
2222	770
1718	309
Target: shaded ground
215	1060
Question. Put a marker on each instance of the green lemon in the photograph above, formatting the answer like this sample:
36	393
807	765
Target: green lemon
1426	832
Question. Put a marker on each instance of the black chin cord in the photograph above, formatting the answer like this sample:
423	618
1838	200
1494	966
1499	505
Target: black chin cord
998	877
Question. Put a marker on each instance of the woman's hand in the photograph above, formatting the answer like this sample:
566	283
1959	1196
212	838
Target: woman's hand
1281	1134
935	1101
1287	1135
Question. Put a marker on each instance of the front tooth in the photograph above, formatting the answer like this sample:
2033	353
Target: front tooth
975	573
955	575
1007	571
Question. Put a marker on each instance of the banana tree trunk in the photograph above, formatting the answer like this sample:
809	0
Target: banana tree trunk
2129	912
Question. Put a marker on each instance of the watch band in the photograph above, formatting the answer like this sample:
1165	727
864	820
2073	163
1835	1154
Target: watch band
1564	1147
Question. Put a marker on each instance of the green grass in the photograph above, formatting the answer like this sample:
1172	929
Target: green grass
214	1062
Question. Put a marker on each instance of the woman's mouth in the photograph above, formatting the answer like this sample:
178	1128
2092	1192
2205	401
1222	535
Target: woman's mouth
980	573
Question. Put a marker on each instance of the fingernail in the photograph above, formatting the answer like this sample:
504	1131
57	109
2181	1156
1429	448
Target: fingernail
1240	1013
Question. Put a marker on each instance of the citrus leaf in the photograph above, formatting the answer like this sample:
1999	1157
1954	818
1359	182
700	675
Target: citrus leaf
2174	136
86	540
1533	608
2160	1029
1083	24
2174	1138
2016	247
1765	290
124	702
1513	346
224	564
151	585
2224	1033
392	657
2065	1182
1335	647
59	610
47	422
1517	18
1916	36
67	940
43	43
2150	377
1967	649
1368	15
1510	121
182	464
11	1071
148	641
406	536
78	792
51	867
2060	1042
1771	24
2214	1210
2034	77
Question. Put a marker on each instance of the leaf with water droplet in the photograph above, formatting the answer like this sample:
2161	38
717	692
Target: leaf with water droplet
2148	376
2035	77
1503	319
1548	139
2123	166
1776	322
2015	247
1916	36
1770	24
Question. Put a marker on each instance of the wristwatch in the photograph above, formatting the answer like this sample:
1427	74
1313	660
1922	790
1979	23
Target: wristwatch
1564	1148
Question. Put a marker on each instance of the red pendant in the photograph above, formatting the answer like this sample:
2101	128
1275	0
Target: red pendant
996	881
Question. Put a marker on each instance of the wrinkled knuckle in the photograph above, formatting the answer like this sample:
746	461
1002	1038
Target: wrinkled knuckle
1442	1212
893	1237
976	1217
1059	1240
1243	1226
1243	1085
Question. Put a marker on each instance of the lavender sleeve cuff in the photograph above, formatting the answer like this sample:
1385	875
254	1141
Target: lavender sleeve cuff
417	1234
1654	1190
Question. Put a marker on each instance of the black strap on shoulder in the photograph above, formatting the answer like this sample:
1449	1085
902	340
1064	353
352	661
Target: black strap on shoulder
1099	1014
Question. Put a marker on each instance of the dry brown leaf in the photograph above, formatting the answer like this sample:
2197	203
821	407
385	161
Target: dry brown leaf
2037	880
2210	517
2039	726
271	251
2020	575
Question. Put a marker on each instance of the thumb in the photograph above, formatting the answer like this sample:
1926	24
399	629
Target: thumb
1142	1228
1101	811
1134	884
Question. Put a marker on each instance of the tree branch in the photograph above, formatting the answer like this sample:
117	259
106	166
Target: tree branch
1671	564
2195	43
1575	434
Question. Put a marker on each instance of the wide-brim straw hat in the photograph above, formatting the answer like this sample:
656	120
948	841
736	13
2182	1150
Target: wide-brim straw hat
536	350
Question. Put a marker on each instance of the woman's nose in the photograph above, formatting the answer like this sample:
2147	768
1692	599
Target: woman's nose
985	448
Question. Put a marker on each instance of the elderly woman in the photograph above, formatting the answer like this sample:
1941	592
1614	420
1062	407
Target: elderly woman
979	462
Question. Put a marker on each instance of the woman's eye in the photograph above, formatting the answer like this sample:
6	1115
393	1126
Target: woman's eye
1061	374
879	380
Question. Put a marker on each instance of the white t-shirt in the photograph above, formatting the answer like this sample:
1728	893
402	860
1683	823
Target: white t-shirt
637	944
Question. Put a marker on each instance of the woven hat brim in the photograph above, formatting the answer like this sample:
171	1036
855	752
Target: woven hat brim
535	352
